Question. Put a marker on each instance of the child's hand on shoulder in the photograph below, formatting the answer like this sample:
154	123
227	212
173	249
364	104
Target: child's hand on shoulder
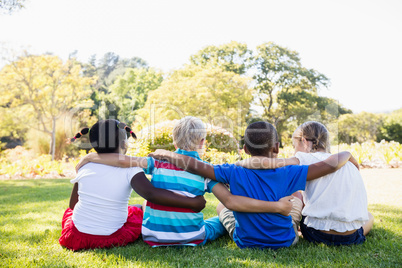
285	205
85	160
160	154
354	162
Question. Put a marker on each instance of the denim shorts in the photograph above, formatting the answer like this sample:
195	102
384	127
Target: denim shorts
313	235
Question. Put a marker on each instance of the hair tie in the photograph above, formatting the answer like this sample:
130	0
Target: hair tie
78	135
127	129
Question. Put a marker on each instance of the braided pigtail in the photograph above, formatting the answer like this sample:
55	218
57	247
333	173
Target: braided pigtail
128	129
83	132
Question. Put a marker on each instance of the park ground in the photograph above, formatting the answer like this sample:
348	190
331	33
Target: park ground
383	186
30	225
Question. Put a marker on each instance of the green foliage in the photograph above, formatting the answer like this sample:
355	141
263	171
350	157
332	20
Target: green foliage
22	163
215	96
109	67
105	71
287	91
43	88
391	129
130	91
232	57
358	127
159	136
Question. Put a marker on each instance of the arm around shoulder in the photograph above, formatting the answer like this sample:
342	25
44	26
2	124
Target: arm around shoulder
247	204
330	165
186	163
261	162
144	188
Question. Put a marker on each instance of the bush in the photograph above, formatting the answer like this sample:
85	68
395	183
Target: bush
391	130
159	136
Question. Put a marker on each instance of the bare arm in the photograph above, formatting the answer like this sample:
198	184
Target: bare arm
144	188
186	163
74	196
246	204
329	165
116	160
261	162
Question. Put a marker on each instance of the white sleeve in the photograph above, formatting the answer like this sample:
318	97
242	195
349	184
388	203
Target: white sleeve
303	158
79	175
131	172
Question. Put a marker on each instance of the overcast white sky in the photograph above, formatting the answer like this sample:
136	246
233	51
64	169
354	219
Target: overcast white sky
357	44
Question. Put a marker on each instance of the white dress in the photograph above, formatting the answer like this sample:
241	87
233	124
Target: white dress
337	201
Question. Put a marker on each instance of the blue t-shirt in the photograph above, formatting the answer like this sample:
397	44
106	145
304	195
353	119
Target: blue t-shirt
262	230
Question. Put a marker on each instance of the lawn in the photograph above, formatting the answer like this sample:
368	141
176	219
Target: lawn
31	212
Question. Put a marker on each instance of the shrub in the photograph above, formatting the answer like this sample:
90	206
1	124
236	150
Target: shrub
159	136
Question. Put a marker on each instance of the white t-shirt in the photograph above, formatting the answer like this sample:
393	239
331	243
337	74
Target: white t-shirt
337	201
104	192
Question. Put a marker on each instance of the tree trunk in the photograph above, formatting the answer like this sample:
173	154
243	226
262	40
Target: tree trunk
53	142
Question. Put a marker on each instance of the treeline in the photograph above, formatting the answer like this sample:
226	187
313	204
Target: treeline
44	99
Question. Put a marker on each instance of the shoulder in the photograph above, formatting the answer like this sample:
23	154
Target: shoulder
226	167
133	171
311	158
295	171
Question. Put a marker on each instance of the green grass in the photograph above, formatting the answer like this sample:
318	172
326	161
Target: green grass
30	225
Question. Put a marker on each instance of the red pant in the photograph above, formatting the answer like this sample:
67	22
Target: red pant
75	240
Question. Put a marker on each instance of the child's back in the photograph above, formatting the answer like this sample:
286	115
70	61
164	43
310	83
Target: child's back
163	225
263	229
104	192
337	201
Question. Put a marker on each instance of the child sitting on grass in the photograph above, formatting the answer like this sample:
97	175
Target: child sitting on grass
99	215
165	225
335	211
261	230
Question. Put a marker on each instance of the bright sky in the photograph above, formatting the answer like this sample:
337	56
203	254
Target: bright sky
357	44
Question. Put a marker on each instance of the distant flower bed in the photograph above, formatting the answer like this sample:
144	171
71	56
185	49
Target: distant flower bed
22	163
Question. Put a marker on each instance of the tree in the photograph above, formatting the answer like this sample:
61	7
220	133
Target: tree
46	88
105	71
358	127
130	91
391	129
111	66
217	97
285	89
232	57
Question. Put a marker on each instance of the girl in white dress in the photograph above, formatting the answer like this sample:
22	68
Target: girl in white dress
335	210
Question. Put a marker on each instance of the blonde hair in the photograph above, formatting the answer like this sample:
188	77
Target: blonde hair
315	132
188	133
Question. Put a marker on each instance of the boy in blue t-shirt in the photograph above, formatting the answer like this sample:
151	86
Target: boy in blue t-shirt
261	230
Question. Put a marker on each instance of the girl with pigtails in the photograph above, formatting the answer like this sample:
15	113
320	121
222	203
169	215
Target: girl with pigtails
335	206
99	215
